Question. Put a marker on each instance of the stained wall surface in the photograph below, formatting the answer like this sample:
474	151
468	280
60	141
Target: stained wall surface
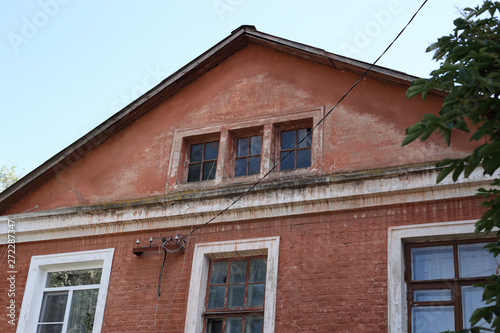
332	264
364	132
332	270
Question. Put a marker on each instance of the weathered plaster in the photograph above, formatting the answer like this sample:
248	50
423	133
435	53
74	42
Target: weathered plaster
254	83
349	193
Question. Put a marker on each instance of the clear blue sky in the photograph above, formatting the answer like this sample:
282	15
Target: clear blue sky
67	65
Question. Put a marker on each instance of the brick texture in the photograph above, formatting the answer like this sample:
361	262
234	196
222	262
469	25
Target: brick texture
332	274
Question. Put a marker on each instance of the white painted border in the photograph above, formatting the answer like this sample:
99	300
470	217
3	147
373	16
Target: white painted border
40	265
396	286
178	181
199	276
350	193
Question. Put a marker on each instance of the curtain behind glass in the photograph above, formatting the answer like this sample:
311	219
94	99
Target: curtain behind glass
82	312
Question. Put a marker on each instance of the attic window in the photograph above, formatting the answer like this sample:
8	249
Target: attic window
248	155
294	145
242	151
202	161
295	150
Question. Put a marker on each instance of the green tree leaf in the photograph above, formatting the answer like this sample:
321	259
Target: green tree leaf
443	173
8	176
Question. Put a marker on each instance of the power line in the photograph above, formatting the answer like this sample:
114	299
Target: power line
182	239
312	129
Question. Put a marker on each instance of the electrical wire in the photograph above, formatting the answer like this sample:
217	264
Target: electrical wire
182	243
312	129
176	250
183	239
162	246
176	289
161	270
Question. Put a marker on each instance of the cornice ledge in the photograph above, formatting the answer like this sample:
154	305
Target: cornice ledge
315	197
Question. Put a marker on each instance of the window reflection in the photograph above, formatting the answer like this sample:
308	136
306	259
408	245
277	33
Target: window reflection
430	263
202	161
248	156
295	149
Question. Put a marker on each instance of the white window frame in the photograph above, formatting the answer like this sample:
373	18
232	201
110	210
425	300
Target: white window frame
397	238
43	264
203	252
177	173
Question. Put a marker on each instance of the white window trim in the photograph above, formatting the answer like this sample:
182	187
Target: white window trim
40	265
176	170
239	248
398	237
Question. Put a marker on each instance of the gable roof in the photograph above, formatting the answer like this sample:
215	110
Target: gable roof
237	40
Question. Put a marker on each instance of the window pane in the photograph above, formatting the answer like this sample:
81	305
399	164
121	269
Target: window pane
194	172
430	263
256	294
208	170
255	145
241	167
49	328
288	162
254	165
253	324
235	296
216	297
301	133
73	278
242	147
214	326
219	272
432	295
196	153
257	270
474	260
233	325
82	311
287	139
238	271
211	149
303	158
432	319
53	307
472	298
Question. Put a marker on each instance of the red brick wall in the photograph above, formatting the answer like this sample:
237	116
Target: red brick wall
332	274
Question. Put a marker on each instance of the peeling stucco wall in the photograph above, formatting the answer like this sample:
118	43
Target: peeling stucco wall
364	132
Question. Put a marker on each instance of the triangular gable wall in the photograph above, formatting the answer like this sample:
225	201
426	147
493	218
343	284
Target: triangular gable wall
248	82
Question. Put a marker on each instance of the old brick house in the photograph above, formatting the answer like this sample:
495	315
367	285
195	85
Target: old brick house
348	233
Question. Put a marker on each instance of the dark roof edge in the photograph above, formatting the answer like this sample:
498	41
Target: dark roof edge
102	132
238	39
338	61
